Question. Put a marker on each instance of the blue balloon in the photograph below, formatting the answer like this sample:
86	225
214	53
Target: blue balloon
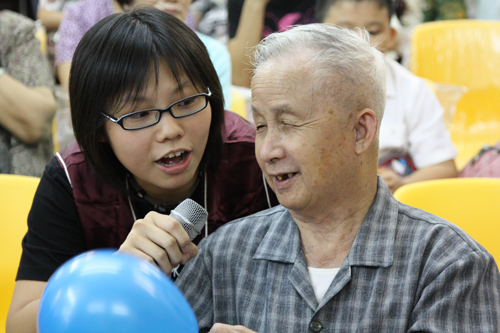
104	291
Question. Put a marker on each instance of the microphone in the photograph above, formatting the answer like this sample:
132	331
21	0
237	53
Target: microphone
192	217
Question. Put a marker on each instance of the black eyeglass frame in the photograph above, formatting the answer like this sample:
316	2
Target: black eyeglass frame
119	121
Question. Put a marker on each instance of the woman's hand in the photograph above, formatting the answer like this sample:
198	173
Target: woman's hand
161	240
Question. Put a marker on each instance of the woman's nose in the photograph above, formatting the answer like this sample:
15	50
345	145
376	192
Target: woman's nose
169	128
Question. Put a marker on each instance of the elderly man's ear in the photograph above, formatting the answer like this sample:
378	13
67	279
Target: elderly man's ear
366	130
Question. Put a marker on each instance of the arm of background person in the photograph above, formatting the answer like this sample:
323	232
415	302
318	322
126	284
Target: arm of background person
63	74
27	102
76	21
446	169
248	34
50	19
26	111
23	310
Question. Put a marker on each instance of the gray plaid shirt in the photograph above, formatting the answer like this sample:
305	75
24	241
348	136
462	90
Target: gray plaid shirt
407	271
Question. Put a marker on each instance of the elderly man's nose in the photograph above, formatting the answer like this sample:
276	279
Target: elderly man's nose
270	149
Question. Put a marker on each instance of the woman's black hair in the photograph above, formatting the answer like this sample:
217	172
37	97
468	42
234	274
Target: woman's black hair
112	66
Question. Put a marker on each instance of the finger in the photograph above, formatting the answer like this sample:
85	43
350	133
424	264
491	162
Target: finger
173	227
189	253
172	238
162	247
150	240
224	328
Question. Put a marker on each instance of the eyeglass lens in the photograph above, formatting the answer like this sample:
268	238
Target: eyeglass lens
182	108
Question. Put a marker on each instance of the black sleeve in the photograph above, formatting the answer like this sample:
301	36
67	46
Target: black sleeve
54	230
234	8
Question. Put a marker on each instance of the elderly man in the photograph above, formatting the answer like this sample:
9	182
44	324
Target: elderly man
340	254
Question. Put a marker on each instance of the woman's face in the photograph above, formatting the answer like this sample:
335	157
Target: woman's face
165	157
177	8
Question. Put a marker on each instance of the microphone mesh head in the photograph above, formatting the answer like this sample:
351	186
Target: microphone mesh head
191	215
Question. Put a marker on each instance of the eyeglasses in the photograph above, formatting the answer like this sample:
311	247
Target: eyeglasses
146	118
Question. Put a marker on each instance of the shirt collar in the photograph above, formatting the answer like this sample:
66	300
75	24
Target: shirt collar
373	245
282	240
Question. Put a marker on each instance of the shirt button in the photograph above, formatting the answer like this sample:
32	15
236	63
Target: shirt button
315	326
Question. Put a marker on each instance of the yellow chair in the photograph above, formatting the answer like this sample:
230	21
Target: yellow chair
471	203
16	197
464	53
238	103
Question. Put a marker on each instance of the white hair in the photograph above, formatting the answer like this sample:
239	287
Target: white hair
346	66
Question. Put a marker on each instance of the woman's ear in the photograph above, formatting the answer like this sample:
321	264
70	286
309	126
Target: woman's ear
366	130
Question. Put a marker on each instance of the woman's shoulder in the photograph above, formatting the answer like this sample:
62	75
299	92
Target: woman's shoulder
237	129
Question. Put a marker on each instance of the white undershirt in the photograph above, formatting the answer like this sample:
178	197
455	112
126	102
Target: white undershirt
321	279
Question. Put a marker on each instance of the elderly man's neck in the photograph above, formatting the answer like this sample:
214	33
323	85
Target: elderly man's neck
327	236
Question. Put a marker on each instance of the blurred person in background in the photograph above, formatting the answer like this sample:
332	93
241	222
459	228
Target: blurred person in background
251	20
81	16
27	102
414	142
50	13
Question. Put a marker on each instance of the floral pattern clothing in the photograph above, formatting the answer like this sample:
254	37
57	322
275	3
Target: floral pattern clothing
22	58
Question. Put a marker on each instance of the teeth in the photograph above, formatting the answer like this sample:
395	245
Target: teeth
284	177
172	155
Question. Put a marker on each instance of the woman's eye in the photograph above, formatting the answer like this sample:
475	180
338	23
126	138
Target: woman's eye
187	102
374	33
139	115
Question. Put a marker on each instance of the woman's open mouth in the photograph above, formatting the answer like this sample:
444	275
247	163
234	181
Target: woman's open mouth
173	158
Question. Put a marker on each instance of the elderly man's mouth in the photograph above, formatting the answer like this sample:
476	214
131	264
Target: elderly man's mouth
285	176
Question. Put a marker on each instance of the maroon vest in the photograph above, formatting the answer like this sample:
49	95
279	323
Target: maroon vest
234	190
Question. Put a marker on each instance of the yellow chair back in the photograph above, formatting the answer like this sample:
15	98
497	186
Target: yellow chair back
466	53
16	197
238	103
471	203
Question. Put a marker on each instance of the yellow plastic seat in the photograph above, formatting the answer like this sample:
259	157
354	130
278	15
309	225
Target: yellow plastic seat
16	197
238	103
471	203
464	53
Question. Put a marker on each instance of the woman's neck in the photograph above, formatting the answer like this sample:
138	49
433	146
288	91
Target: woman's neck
166	197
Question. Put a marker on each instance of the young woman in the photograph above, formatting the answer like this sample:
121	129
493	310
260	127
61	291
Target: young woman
147	111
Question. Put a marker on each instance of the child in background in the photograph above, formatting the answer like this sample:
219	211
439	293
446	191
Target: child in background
412	129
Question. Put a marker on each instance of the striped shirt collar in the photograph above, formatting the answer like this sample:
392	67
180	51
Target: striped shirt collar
373	245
